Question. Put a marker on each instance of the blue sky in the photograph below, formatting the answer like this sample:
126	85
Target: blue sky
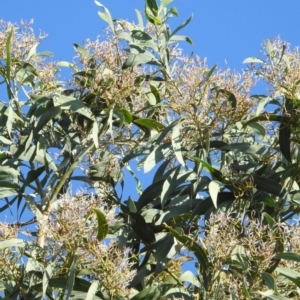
222	30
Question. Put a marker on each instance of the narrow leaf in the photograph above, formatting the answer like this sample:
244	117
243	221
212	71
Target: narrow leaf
105	15
102	225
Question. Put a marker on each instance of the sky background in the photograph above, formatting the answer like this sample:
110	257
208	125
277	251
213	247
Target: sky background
221	30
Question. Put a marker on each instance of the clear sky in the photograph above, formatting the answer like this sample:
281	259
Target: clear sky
222	30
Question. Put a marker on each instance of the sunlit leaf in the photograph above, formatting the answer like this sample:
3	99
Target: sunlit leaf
102	225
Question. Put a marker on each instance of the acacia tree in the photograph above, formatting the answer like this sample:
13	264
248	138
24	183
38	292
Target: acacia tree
225	189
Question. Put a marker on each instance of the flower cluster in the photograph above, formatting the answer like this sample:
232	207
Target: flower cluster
237	247
208	102
72	230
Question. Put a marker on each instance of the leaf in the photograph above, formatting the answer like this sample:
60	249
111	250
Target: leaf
92	290
269	219
290	274
106	16
175	38
176	143
172	182
140	19
269	186
127	115
210	72
48	273
164	3
188	276
8	63
71	103
18	243
159	153
185	23
259	129
102	225
216	173
141	229
95	132
71	279
284	140
267	117
166	131
45	118
151	192
214	188
139	59
198	251
288	256
152	293
82	51
253	60
153	6
270	281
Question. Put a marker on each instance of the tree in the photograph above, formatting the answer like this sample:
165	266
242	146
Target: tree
225	189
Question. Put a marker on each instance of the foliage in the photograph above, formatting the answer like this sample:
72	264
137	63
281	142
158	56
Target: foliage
223	200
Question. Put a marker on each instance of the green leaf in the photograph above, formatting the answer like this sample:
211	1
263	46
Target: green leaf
245	290
71	103
284	140
216	173
140	228
214	188
48	273
259	129
82	51
140	19
8	63
151	124
288	256
267	117
45	118
198	251
290	274
153	6
185	23
152	293
17	243
164	3
159	153
269	186
105	15
150	193
210	72
127	115
71	279
270	281
102	225
92	291
95	132
188	276
172	182
176	143
269	219
175	38
139	59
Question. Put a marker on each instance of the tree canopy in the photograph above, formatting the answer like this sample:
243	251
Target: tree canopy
219	218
